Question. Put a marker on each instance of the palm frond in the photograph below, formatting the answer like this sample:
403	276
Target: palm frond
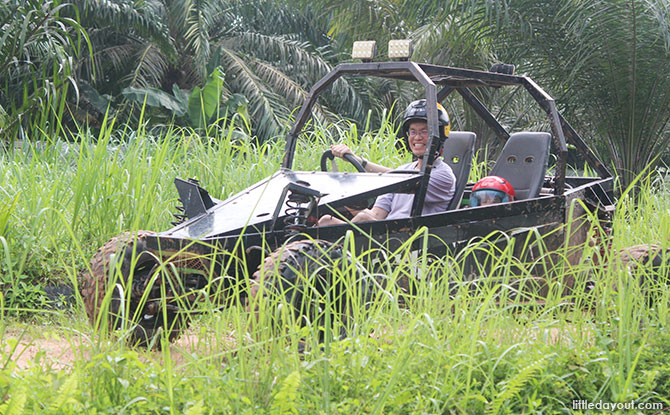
265	109
602	59
39	45
124	16
304	65
283	51
150	68
196	33
286	87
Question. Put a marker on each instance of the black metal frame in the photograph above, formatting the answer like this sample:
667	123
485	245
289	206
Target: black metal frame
460	80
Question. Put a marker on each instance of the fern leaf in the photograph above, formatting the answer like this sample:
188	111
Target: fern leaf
17	402
284	401
197	408
65	392
514	385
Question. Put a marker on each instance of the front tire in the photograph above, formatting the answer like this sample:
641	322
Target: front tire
137	301
310	277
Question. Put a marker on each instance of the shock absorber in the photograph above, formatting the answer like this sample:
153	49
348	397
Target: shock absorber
297	212
181	217
300	201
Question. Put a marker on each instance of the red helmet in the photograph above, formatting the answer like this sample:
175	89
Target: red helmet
491	189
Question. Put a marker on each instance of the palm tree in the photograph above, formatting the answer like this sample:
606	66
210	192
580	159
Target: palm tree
37	45
449	38
268	51
606	61
380	20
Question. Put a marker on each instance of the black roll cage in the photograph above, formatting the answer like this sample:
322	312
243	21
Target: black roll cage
452	79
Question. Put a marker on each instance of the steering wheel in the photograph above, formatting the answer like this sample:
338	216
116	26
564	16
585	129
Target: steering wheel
328	154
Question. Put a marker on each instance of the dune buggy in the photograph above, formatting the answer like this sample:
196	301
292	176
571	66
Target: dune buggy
217	244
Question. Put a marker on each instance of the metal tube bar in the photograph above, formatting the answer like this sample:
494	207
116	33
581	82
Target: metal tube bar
433	137
483	112
547	103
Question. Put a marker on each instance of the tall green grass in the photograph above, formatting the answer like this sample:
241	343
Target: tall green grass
444	348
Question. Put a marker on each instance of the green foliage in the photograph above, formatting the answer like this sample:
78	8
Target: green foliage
64	65
204	103
284	401
440	353
6	210
199	107
653	372
444	351
516	384
17	401
444	348
271	59
605	62
39	46
156	98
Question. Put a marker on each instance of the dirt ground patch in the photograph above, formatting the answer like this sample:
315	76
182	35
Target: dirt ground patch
59	352
51	349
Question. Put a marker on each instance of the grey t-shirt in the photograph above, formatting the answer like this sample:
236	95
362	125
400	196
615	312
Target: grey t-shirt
440	190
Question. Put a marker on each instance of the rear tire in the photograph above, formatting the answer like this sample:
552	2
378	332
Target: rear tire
650	265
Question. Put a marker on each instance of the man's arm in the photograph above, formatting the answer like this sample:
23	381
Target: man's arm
339	150
365	215
368	215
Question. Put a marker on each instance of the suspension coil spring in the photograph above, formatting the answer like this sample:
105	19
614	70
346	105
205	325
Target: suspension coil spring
181	217
297	212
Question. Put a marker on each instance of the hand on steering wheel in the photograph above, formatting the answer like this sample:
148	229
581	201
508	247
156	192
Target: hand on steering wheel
328	154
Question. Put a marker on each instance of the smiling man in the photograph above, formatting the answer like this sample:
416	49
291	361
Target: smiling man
442	181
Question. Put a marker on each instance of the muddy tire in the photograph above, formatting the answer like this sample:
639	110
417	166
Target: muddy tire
310	276
650	265
136	300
